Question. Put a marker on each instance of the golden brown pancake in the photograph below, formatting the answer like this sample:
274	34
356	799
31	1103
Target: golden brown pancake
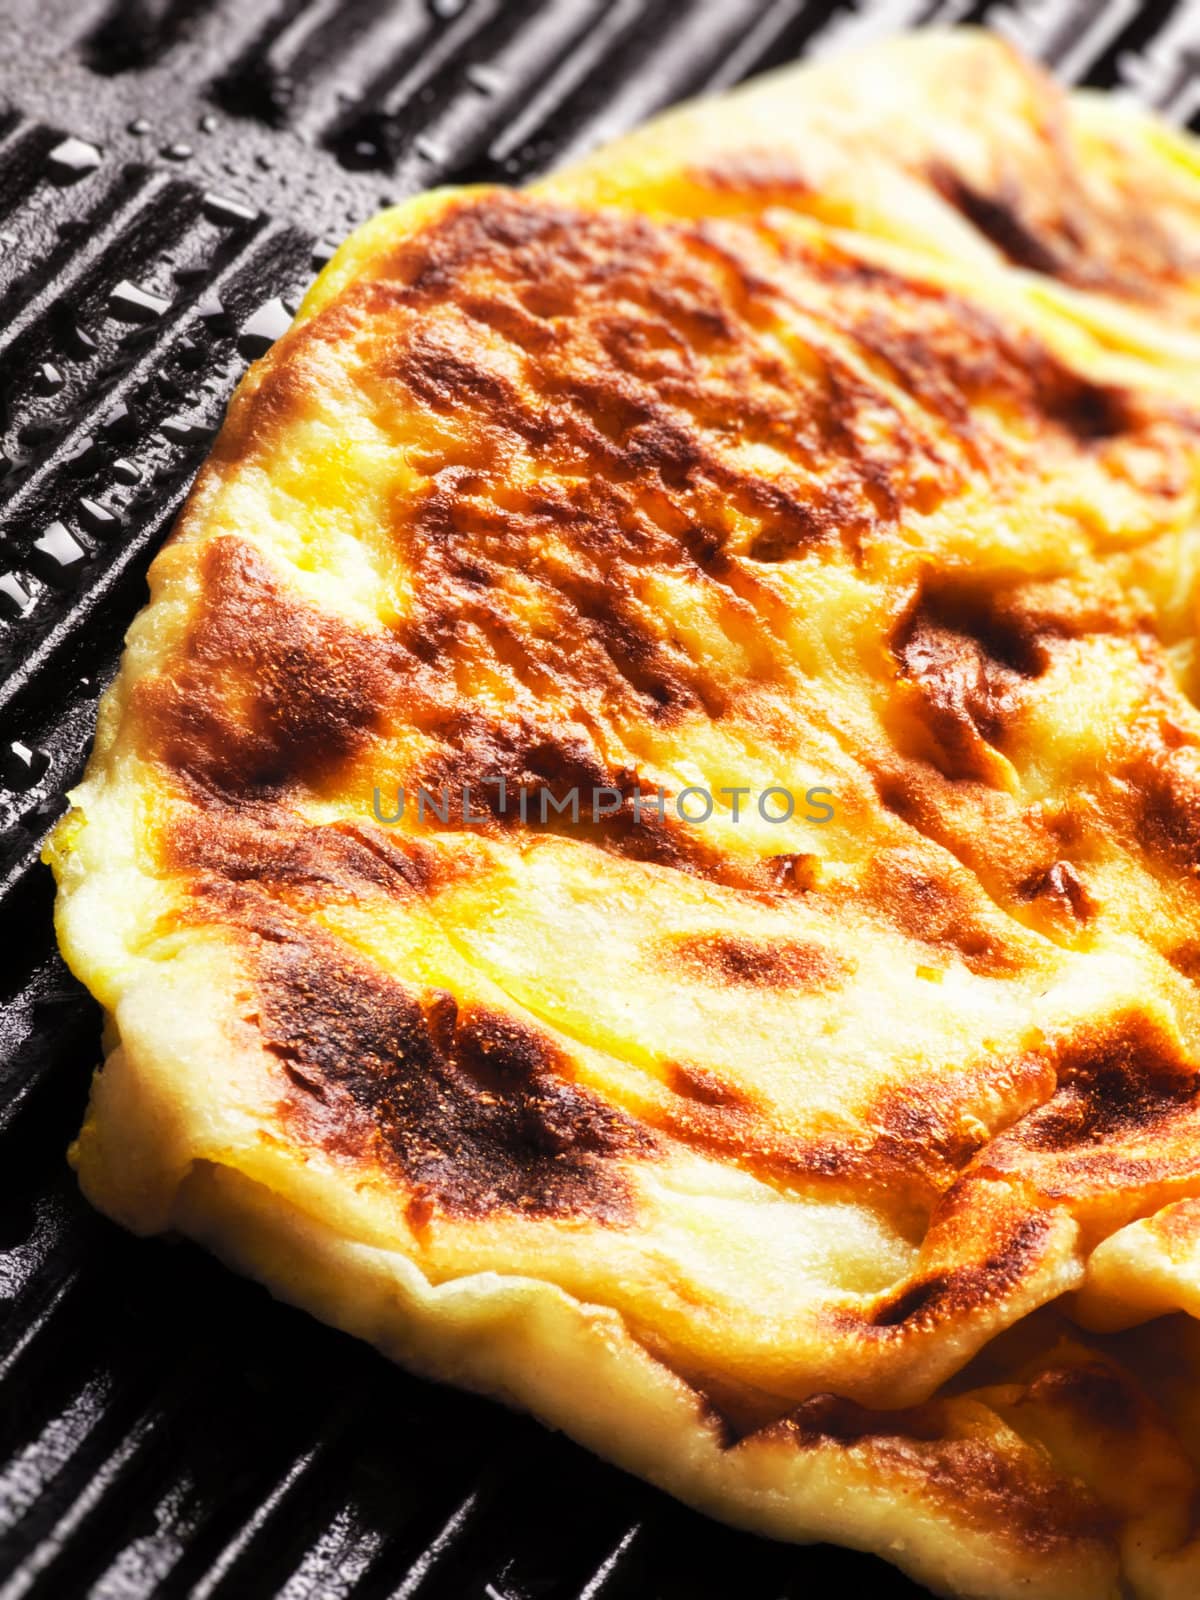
836	442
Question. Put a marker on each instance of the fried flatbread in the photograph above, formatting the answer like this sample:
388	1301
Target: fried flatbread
838	438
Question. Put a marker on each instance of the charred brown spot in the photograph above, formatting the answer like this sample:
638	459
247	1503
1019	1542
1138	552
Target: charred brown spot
421	1209
1062	888
1185	958
967	695
965	1290
752	177
972	371
966	669
907	1145
507	763
267	845
604	639
1089	411
970	825
998	217
925	1133
1059	222
739	961
474	1109
521	774
982	1482
942	908
1118	1137
1132	1081
703	1085
968	655
448	374
1165	785
797	527
919	1301
267	691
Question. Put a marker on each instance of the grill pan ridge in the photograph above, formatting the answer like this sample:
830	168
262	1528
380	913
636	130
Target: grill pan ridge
172	174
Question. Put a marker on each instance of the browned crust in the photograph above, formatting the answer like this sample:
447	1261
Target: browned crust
268	691
624	357
472	1110
734	960
1040	1510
